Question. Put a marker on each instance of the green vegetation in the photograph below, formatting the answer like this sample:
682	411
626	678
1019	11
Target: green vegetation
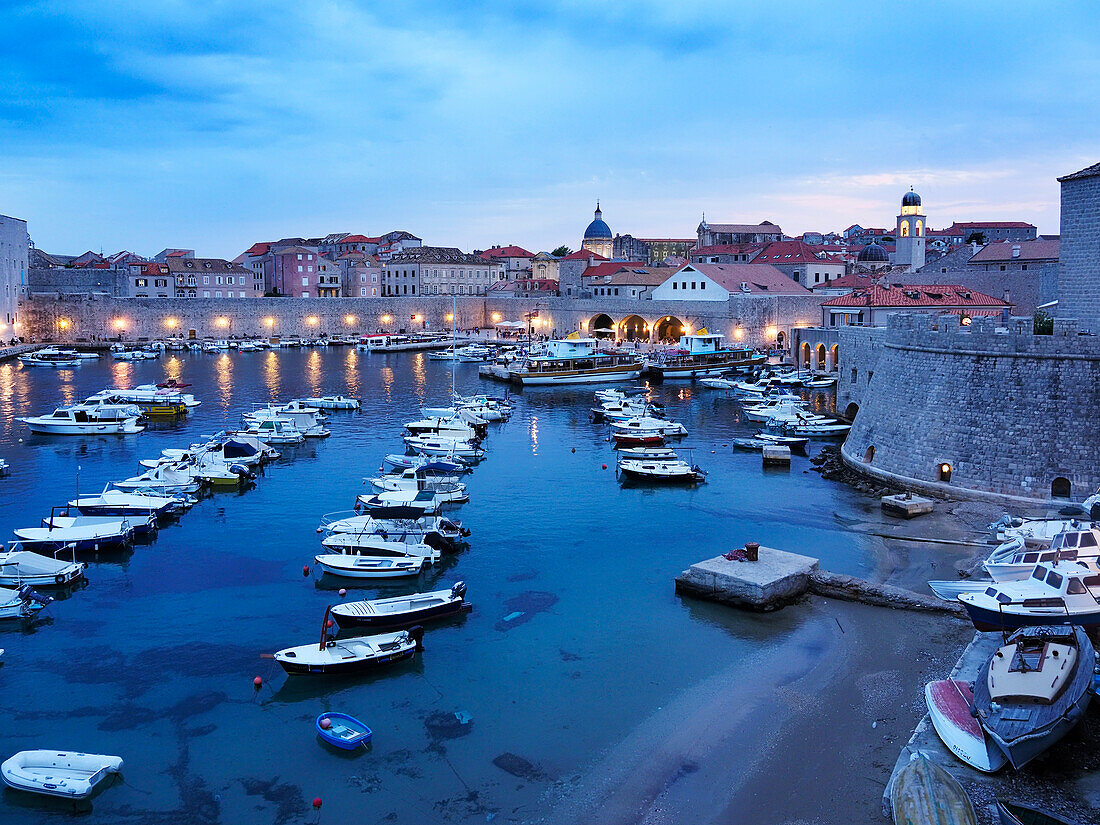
1042	324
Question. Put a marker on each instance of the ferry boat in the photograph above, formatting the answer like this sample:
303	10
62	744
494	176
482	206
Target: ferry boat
576	361
702	355
51	357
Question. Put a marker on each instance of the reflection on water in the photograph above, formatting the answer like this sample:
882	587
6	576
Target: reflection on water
351	371
534	432
121	375
313	372
386	374
271	374
223	376
173	368
419	378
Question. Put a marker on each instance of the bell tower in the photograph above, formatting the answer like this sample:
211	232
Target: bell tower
909	240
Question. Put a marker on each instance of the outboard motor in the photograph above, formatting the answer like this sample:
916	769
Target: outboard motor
242	471
459	590
27	595
416	634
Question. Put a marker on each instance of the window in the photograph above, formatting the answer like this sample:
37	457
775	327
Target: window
309	269
206	280
854	372
299	267
362	292
1054	579
141	282
1060	487
206	293
1024	267
1003	267
240	294
299	258
1075	588
218	294
305	294
305	281
703	284
674	285
693	284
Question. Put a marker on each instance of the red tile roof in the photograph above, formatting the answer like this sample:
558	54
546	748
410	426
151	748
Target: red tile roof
728	249
790	252
760	278
992	224
358	239
179	253
582	254
258	249
506	252
853	280
611	267
915	295
1029	251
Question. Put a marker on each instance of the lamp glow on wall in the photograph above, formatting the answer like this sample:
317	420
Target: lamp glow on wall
63	323
312	320
386	319
171	323
449	317
738	334
221	322
119	324
770	332
496	317
686	329
269	322
349	320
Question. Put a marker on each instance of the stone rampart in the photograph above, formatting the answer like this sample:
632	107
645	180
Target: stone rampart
751	319
977	411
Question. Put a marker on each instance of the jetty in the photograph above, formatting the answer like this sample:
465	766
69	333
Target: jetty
765	579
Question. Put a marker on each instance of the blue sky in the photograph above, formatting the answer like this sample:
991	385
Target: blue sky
156	123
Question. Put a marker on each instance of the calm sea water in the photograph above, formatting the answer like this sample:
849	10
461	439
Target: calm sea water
154	659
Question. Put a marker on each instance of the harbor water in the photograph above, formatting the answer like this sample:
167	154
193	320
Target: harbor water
576	636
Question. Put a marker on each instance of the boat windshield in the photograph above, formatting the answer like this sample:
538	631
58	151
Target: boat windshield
1054	580
1075	588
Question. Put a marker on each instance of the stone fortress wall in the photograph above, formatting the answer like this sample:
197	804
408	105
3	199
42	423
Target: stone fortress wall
750	319
974	411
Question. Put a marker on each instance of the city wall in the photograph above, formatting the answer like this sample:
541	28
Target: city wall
974	412
750	319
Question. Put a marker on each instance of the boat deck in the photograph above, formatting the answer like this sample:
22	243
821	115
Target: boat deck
1053	789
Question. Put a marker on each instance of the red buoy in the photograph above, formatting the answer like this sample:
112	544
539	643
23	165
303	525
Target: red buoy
317	802
305	569
329	623
605	466
258	682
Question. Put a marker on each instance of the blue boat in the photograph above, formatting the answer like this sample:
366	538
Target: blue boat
343	731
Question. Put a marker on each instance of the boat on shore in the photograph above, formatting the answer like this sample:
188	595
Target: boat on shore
1016	813
950	707
400	612
1057	594
923	793
58	773
1034	689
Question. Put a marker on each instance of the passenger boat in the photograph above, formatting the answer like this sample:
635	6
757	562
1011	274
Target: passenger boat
81	421
275	431
343	731
58	773
86	533
702	355
51	357
443	427
332	402
1054	594
132	505
950	709
576	361
370	567
1034	689
923	793
166	479
403	611
1015	813
340	656
20	567
648	425
666	470
21	603
307	420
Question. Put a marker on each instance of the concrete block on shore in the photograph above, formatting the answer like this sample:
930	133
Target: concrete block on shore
779	455
775	579
906	505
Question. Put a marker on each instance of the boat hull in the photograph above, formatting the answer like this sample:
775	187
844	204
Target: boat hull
357	734
949	709
403	620
991	620
600	375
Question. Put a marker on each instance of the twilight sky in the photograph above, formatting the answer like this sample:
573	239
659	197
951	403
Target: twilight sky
141	124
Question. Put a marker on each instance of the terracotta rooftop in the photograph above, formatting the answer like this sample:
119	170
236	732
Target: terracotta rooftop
789	252
583	254
760	278
746	228
1028	251
627	275
915	295
507	252
611	267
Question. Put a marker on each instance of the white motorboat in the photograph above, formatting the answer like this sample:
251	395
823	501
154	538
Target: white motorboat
398	525
108	408
1014	560
650	426
425	500
428	477
813	429
21	567
719	383
1062	593
79	421
148	394
648	453
617	395
402	611
400	461
368	544
445	427
85	533
51	357
370	567
576	361
4	466
338	656
58	773
307	420
167	479
666	470
1035	532
332	402
134	355
443	446
21	603
275	431
788	407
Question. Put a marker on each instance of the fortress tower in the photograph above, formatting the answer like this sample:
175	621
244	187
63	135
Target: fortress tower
910	233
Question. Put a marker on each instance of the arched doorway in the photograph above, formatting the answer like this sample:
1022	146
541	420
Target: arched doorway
820	359
869	455
669	328
805	359
1060	487
834	355
634	328
601	326
851	410
780	339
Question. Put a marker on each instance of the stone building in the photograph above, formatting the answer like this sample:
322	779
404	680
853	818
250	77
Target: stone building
361	275
572	267
654	251
439	270
202	278
623	280
800	262
873	305
597	237
736	233
14	246
149	279
1079	256
909	237
992	231
515	259
718	282
739	253
544	267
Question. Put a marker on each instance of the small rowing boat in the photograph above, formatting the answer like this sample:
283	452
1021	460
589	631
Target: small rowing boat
403	611
343	731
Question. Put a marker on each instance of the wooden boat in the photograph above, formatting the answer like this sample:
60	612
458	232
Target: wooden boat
1034	689
923	793
702	355
1056	594
21	567
403	611
370	567
338	656
576	361
58	773
1013	813
651	439
343	731
949	707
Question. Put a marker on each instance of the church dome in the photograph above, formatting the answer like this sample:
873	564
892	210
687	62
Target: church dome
873	254
910	198
598	230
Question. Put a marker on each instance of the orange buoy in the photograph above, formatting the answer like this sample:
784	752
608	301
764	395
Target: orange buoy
329	623
605	466
258	682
